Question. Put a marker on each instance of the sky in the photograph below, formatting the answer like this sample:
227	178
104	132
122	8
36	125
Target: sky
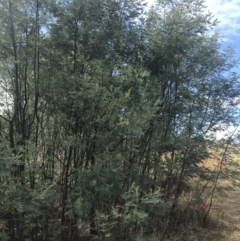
228	14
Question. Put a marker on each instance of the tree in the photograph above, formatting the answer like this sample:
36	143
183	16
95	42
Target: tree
111	113
188	68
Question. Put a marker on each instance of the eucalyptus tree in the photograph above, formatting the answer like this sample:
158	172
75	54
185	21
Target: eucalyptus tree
107	102
192	74
20	80
97	96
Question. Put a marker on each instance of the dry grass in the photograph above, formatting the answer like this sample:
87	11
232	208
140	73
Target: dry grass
223	223
224	219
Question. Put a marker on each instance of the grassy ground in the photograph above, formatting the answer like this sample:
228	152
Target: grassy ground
224	218
226	211
223	223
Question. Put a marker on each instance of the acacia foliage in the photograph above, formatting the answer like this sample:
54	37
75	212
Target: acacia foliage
103	101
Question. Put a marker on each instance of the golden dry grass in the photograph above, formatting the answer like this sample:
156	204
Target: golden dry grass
225	212
224	218
223	223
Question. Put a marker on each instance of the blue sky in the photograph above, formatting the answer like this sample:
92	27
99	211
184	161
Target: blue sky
228	14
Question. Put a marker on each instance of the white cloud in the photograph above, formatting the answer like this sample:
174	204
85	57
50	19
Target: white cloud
228	13
229	131
151	2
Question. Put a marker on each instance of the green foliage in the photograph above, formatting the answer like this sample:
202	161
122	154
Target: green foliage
108	116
